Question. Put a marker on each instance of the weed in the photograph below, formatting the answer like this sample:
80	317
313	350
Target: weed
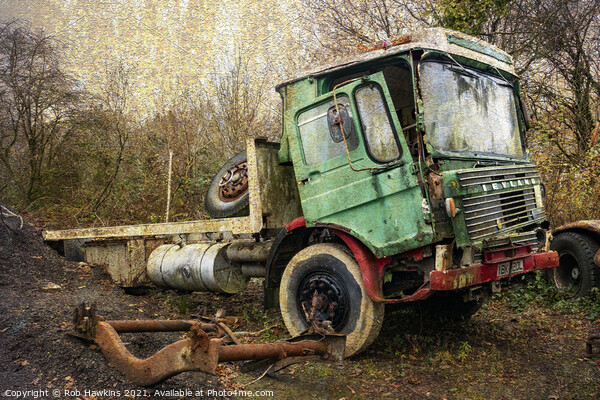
183	305
444	357
402	365
179	303
464	349
322	370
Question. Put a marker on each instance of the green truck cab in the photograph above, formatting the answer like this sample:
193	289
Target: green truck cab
414	181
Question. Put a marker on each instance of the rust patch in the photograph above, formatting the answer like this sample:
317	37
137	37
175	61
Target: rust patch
435	185
587	225
234	184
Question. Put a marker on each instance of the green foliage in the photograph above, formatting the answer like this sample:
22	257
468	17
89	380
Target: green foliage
464	349
179	303
468	16
572	183
540	292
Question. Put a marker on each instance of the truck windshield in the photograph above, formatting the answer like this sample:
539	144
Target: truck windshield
467	110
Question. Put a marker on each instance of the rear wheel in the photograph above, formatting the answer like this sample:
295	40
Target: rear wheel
322	285
576	273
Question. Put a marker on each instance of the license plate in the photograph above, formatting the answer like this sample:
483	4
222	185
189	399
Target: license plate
510	267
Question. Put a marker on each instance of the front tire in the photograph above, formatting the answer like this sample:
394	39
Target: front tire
326	278
576	273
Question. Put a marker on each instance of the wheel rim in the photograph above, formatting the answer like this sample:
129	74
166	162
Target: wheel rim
234	183
567	275
324	296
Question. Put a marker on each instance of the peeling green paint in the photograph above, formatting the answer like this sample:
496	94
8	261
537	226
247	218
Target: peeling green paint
389	207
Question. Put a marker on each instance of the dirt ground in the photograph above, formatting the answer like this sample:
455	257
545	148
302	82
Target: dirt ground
498	354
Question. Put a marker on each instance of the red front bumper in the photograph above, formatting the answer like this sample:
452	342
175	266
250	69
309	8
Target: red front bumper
454	279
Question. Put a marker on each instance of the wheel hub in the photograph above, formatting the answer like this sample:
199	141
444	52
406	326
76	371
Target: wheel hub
324	300
234	184
568	274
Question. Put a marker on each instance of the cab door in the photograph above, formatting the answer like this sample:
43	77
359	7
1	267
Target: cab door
356	170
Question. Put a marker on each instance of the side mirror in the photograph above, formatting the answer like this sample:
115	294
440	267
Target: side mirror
336	122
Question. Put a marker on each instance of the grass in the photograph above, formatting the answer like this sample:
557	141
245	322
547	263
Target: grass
541	293
180	303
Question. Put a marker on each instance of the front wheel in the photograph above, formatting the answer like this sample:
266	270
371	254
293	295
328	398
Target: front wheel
576	273
323	283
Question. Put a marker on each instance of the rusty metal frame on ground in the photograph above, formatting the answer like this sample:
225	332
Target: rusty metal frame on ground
252	223
198	352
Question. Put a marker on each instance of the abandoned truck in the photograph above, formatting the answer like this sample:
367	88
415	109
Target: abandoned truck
401	176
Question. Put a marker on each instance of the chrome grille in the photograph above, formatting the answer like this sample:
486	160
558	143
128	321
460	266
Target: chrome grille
502	178
496	212
520	239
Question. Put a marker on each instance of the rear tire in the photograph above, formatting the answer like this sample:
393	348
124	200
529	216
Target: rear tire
227	194
576	273
329	272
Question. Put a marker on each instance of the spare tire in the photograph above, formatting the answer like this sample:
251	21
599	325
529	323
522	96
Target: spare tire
228	191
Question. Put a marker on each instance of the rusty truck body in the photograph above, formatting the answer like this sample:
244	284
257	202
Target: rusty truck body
401	176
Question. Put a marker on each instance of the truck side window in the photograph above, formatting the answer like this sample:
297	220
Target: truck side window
382	143
320	131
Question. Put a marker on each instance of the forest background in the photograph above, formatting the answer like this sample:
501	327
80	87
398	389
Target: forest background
96	95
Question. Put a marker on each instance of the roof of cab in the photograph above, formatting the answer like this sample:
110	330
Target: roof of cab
440	39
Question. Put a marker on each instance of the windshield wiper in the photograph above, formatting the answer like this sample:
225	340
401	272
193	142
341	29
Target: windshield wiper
462	72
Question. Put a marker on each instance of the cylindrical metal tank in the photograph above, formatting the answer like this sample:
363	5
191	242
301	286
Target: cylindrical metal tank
201	267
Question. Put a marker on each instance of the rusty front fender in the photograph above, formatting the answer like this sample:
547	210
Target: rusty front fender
371	267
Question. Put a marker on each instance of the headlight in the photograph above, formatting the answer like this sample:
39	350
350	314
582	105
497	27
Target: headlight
450	207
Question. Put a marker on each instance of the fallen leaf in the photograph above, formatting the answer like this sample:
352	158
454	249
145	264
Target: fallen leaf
51	287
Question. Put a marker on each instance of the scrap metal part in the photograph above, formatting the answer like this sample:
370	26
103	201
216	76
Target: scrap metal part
198	352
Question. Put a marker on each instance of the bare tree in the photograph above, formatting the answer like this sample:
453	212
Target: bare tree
36	100
342	25
113	122
239	104
569	50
